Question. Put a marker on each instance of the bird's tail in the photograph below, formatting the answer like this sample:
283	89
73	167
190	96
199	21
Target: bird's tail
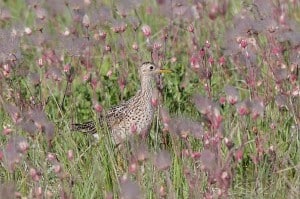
87	127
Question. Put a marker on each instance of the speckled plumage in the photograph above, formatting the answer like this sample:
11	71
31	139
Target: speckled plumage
135	114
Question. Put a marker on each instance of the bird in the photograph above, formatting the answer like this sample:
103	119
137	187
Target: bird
134	115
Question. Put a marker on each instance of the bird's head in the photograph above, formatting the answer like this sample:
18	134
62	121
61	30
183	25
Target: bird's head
150	69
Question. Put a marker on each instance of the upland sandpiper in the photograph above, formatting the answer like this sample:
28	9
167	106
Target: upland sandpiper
136	114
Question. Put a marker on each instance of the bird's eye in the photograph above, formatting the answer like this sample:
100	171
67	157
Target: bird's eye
151	67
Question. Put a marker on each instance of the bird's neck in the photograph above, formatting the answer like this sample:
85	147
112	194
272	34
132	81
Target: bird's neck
147	87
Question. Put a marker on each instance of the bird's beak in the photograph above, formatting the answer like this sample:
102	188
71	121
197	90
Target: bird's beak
164	71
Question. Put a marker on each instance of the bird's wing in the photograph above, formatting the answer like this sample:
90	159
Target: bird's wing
116	114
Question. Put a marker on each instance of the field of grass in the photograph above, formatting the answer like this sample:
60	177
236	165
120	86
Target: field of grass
227	121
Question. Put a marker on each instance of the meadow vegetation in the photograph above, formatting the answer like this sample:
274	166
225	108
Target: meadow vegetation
227	123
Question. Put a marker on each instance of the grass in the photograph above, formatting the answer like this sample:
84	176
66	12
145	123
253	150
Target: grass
201	145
